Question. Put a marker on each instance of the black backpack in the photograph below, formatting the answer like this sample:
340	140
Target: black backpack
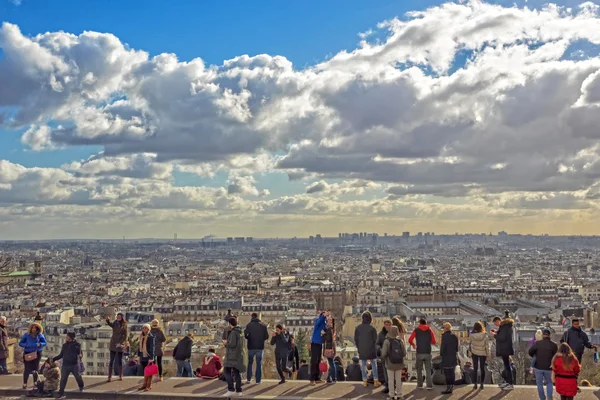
396	353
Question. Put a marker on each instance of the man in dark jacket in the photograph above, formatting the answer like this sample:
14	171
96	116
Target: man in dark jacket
365	338
182	354
387	325
424	340
577	339
256	334
353	371
280	340
543	351
303	372
234	359
504	347
70	354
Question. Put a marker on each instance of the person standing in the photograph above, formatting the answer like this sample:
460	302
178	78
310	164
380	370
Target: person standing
293	361
480	352
234	359
449	353
387	324
566	368
3	346
146	354
71	355
329	350
316	347
256	333
280	340
33	343
118	343
182	354
577	339
393	353
397	322
504	347
543	352
424	340
159	344
365	338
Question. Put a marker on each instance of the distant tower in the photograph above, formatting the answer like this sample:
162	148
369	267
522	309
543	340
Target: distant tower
37	267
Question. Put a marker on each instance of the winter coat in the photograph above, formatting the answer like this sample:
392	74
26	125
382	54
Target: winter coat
294	358
449	350
320	325
119	335
150	347
256	333
211	367
424	337
543	351
29	343
303	373
380	339
281	343
329	340
504	338
339	370
233	350
159	341
3	343
385	355
69	353
577	339
183	349
365	338
51	379
566	381
353	373
480	344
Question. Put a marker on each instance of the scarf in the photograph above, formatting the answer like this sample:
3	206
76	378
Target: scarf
143	341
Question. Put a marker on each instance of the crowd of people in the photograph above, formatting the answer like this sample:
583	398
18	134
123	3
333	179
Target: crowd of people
381	356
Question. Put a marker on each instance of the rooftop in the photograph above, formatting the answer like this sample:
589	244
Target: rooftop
186	388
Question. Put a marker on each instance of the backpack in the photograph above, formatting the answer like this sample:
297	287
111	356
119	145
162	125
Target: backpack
396	353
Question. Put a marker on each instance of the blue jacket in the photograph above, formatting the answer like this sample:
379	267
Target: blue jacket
29	343
320	325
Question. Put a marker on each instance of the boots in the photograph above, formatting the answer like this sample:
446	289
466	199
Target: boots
448	390
149	383
109	375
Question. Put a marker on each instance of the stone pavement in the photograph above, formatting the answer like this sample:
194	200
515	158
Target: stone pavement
188	388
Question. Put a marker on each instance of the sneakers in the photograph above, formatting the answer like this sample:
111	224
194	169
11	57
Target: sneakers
376	383
429	387
508	387
502	385
365	384
312	383
229	394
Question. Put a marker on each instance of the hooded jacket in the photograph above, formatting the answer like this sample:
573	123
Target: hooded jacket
256	333
233	350
385	350
211	366
51	378
543	351
69	353
119	335
3	342
577	339
425	338
320	325
480	344
183	349
353	372
504	338
159	340
29	343
365	338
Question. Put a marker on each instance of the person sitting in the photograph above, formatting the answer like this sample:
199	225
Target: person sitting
49	385
339	368
211	366
303	373
131	369
353	371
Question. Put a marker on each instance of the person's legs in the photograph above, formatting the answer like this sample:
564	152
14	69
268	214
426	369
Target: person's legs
332	370
475	369
482	368
64	377
315	359
363	370
26	371
229	379
419	367
111	363
119	365
251	355
238	380
160	367
375	372
428	377
539	381
3	367
179	368
391	381
280	365
507	370
549	385
75	371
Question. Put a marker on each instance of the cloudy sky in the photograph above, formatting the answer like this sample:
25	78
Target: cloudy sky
296	118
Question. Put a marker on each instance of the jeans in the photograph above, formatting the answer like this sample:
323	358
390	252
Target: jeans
363	369
478	362
232	374
533	359
281	365
316	350
507	369
258	354
115	363
332	371
65	371
184	368
543	377
3	367
394	381
424	360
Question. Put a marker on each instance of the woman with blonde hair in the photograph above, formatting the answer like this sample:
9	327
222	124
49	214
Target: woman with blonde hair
449	353
565	370
146	354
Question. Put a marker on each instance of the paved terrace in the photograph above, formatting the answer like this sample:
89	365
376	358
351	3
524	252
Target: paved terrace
187	388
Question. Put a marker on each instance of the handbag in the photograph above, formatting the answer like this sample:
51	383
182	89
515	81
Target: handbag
329	353
323	367
81	366
30	356
457	373
151	369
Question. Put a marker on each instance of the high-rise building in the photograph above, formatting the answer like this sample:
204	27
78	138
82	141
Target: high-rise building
311	240
406	235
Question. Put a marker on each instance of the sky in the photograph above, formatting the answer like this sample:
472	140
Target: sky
282	119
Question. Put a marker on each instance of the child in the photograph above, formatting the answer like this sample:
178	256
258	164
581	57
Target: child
538	336
49	385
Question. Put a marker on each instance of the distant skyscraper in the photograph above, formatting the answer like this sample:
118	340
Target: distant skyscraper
311	240
406	235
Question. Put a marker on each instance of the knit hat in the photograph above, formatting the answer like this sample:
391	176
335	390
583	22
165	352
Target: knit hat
146	326
155	323
71	335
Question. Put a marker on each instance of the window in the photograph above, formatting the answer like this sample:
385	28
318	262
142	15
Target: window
90	355
90	364
100	365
